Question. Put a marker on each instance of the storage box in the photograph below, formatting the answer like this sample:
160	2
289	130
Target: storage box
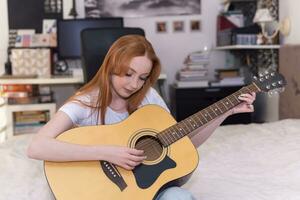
27	61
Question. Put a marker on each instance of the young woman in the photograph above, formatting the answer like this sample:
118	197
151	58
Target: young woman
122	85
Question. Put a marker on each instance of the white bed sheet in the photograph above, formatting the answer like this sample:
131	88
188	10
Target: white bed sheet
256	161
250	162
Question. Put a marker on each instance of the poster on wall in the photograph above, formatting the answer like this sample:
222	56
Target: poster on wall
29	14
140	8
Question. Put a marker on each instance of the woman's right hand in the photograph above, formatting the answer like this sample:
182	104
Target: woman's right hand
127	158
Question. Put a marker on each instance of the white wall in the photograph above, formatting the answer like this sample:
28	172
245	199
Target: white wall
3	34
287	8
172	48
290	8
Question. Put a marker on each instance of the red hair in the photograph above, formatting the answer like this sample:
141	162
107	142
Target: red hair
117	62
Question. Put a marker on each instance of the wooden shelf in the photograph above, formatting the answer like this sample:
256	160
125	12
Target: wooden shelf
237	47
52	81
29	107
43	81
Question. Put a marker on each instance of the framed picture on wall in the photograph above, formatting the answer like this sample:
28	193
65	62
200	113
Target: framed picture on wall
195	25
178	26
161	27
139	8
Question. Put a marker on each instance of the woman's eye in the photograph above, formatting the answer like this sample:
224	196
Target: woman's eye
128	74
143	78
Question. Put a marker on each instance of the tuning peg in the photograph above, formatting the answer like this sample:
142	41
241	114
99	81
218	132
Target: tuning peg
260	75
274	84
255	77
266	72
273	74
280	82
261	79
268	87
267	76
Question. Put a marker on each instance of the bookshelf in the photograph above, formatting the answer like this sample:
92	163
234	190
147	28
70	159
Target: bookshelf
249	53
9	110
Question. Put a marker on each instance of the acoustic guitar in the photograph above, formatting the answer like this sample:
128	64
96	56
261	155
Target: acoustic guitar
171	156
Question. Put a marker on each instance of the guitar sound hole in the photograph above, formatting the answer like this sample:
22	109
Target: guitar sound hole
151	146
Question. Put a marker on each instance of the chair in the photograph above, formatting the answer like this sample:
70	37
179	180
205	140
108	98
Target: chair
95	43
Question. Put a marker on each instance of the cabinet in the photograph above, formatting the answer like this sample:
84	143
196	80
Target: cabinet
8	112
187	101
11	110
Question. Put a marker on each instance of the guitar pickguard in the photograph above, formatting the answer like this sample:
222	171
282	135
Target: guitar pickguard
145	175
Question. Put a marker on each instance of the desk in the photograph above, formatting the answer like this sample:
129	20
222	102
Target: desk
43	81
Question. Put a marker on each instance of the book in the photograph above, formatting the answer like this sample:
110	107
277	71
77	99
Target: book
230	81
192	84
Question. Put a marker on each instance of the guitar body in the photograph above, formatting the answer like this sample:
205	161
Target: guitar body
101	180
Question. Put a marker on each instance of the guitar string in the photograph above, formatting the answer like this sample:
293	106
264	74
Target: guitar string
146	145
232	98
152	150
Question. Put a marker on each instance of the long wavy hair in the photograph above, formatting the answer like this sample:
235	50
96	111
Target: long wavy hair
117	62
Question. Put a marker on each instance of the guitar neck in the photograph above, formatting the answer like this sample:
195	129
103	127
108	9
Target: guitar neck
188	125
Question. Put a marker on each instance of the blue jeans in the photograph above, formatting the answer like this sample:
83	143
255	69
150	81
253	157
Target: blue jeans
175	193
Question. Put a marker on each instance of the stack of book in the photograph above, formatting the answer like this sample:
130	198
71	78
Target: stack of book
18	94
29	121
195	72
228	77
26	94
192	78
197	60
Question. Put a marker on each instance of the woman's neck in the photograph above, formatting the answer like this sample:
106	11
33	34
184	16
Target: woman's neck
118	104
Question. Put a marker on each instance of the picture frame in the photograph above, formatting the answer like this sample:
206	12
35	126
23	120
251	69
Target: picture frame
161	27
178	26
195	25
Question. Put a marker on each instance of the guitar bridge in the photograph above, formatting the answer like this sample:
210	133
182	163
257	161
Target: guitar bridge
113	174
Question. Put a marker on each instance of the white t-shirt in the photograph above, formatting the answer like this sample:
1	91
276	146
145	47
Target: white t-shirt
83	116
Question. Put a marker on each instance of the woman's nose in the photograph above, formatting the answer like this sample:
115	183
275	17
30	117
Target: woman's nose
134	83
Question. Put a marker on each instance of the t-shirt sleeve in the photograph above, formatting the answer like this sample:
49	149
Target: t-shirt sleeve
152	97
76	112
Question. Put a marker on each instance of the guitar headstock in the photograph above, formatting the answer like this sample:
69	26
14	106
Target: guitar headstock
269	81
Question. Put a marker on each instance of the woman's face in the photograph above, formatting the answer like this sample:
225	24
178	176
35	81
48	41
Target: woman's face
139	70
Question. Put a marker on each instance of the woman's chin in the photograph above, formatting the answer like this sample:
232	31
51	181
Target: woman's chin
125	95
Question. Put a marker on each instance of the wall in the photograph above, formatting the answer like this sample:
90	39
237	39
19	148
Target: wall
172	48
287	8
290	8
3	34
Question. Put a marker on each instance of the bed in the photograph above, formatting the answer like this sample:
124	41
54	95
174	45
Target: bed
255	161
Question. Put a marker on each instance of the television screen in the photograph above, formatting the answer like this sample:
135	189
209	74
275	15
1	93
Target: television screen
69	33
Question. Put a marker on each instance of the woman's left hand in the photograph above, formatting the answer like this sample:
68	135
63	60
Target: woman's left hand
246	105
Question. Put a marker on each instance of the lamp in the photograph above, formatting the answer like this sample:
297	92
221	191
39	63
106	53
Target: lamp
269	26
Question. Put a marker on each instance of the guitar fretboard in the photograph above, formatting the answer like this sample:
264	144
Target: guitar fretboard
188	125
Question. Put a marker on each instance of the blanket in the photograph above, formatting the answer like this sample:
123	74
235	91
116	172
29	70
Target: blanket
249	162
